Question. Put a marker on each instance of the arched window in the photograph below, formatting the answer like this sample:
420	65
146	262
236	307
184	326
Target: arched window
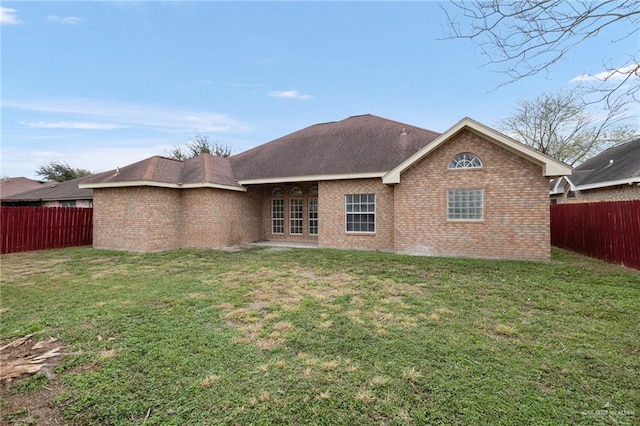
313	190
465	160
295	191
276	192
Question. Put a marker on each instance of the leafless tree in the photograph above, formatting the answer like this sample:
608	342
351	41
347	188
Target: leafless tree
200	144
524	38
558	125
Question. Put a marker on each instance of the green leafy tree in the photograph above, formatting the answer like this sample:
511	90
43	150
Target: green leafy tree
60	172
200	144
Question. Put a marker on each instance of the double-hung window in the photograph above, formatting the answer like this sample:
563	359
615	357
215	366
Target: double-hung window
360	213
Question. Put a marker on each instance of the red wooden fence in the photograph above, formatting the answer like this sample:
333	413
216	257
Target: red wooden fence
609	230
38	228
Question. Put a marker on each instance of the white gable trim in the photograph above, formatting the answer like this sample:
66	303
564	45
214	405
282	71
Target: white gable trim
557	189
550	167
311	178
160	185
629	181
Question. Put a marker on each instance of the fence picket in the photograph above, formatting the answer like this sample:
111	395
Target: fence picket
606	230
38	228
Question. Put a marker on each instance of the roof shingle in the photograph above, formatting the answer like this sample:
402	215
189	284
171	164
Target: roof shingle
358	144
616	163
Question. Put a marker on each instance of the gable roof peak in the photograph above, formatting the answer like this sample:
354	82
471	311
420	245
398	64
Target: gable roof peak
550	166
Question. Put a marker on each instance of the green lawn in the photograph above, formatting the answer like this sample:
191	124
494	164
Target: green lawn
283	336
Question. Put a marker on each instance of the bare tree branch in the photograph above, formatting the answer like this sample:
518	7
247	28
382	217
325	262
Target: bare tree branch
525	38
558	125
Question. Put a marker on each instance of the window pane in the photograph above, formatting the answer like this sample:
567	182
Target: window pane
465	204
313	216
465	160
360	212
277	216
295	216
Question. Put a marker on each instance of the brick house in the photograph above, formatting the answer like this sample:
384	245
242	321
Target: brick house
361	183
612	175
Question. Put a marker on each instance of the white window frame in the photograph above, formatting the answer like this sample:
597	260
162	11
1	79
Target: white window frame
464	201
465	160
312	216
296	216
277	216
357	209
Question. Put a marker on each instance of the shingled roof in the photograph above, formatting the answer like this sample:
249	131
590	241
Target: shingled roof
620	163
200	171
356	145
54	191
362	146
15	185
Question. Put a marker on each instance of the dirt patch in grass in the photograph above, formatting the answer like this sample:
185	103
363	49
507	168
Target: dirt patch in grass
29	387
37	407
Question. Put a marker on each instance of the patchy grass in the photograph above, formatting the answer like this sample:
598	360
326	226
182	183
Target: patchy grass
329	337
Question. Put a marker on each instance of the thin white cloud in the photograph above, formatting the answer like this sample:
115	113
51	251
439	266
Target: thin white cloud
23	161
64	20
131	115
609	75
9	16
289	94
84	125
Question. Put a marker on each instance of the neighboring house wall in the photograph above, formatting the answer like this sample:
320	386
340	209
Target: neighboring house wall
139	219
71	203
215	218
332	215
624	192
516	205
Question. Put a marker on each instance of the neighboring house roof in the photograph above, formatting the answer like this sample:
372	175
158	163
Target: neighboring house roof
359	146
615	166
550	167
201	171
55	191
362	146
15	185
619	165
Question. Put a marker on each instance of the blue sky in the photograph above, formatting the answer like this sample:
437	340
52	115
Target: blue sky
104	84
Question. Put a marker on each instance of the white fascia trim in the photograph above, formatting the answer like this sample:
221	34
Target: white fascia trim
556	190
160	185
311	178
550	167
629	181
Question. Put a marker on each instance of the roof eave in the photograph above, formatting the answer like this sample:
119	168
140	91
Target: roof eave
550	167
628	181
312	178
171	185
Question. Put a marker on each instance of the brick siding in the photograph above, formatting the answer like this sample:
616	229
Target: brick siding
411	217
148	219
516	205
139	219
215	218
331	206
